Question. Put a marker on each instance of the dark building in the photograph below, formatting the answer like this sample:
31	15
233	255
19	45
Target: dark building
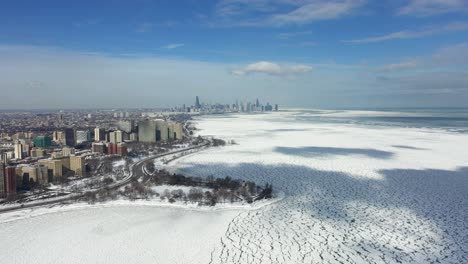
99	148
2	180
268	107
10	180
70	137
276	107
257	103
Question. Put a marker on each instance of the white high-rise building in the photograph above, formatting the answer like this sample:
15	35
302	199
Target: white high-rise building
99	134
116	137
18	150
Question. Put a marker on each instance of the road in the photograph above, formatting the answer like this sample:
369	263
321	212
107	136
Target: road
135	171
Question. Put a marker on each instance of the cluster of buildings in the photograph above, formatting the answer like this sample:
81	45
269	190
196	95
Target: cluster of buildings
237	107
47	168
30	159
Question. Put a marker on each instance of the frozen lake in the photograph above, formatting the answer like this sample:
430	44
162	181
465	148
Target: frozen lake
355	192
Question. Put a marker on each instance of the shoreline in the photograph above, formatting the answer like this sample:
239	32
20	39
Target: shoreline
26	213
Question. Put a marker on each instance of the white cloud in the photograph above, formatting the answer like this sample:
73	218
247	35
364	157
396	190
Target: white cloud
317	10
174	46
282	12
272	68
410	34
433	7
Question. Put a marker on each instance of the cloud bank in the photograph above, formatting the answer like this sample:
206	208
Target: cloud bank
272	68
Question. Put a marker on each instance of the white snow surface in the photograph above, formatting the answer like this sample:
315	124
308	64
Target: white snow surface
352	194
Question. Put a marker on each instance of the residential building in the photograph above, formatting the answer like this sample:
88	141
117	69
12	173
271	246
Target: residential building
77	164
59	137
112	149
37	153
54	167
98	147
99	134
147	131
116	137
37	173
10	180
67	151
18	150
2	180
122	149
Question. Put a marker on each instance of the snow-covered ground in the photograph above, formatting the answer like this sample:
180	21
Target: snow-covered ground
353	193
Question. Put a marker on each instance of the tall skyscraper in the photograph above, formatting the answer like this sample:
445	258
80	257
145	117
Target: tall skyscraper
257	103
197	102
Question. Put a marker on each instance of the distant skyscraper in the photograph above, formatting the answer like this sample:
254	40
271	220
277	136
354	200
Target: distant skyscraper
197	102
276	107
257	103
268	107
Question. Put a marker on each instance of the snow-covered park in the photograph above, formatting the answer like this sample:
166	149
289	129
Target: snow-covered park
354	192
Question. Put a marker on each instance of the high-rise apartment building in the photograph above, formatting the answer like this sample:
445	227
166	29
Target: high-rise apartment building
10	180
147	131
18	150
99	134
116	137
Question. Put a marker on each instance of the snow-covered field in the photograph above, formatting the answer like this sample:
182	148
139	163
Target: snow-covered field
353	193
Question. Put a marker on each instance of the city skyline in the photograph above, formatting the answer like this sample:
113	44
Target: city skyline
309	54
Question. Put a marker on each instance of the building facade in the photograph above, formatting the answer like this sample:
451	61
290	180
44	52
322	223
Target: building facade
42	142
83	136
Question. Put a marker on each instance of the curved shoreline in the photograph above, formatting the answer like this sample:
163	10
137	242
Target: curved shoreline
64	208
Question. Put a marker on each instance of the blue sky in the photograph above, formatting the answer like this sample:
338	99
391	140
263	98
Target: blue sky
299	53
